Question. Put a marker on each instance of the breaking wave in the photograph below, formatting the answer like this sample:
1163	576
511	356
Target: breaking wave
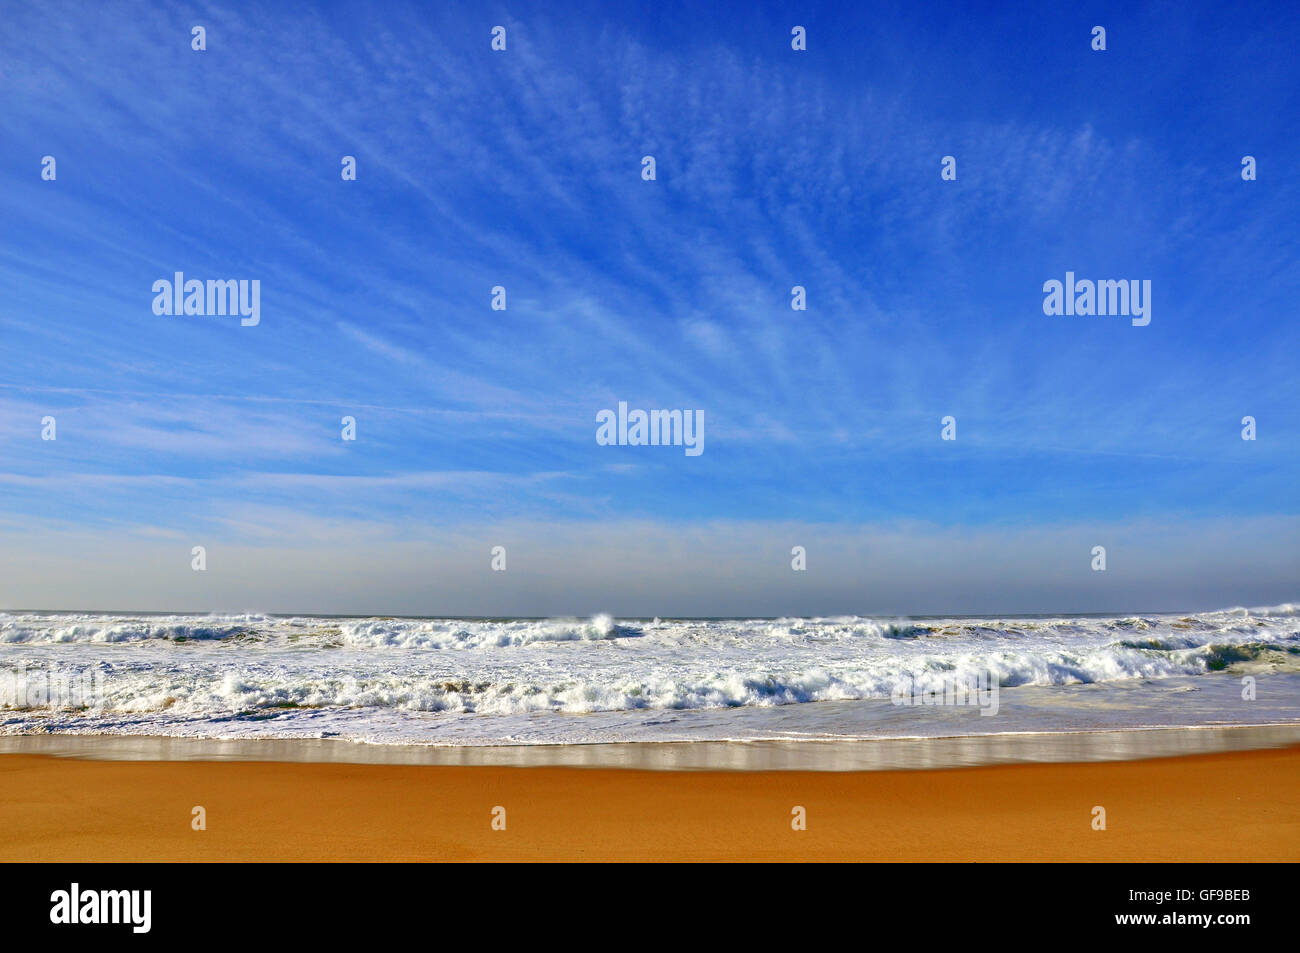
235	666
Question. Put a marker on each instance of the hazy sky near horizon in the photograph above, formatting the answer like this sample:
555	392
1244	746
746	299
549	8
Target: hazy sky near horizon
775	168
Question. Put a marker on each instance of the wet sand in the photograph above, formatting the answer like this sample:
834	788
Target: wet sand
1242	805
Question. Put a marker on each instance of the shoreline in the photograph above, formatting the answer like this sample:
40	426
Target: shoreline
1233	806
796	754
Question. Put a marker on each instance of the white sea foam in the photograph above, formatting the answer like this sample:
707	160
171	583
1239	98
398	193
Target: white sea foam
214	675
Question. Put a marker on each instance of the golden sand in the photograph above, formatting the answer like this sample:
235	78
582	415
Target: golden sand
1241	806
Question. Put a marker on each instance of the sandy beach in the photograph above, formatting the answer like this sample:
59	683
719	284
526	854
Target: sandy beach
1236	806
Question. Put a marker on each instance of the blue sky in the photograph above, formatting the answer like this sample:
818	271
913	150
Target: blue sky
522	169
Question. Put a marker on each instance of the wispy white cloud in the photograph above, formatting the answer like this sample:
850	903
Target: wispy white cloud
523	170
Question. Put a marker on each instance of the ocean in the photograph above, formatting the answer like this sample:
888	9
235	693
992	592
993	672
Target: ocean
493	682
